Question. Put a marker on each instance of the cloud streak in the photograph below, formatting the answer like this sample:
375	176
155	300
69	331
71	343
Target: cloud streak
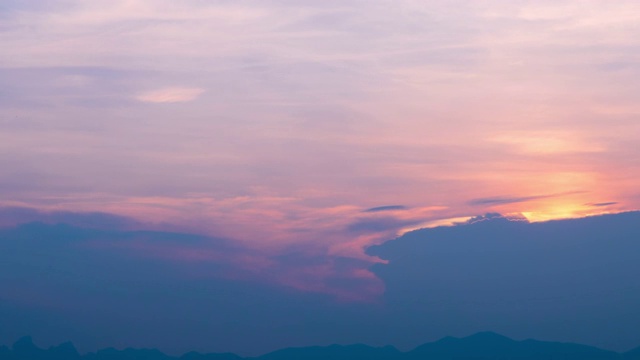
502	200
386	208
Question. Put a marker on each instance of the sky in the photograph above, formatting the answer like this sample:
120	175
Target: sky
287	136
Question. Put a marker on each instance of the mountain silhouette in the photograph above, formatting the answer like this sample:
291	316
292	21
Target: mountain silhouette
127	354
633	354
489	345
335	352
64	351
25	349
198	356
480	346
484	344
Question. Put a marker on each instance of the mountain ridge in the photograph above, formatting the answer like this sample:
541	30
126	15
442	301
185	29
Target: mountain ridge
479	346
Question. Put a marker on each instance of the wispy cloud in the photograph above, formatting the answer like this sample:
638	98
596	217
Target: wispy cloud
170	95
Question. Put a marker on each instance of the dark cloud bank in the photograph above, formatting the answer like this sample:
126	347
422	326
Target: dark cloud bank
570	280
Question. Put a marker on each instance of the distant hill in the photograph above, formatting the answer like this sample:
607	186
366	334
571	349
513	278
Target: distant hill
480	346
633	354
488	345
335	352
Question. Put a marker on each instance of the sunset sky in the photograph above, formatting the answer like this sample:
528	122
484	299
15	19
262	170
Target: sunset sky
243	117
314	129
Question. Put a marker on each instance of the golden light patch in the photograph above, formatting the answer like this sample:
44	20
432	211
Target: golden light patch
546	143
561	210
